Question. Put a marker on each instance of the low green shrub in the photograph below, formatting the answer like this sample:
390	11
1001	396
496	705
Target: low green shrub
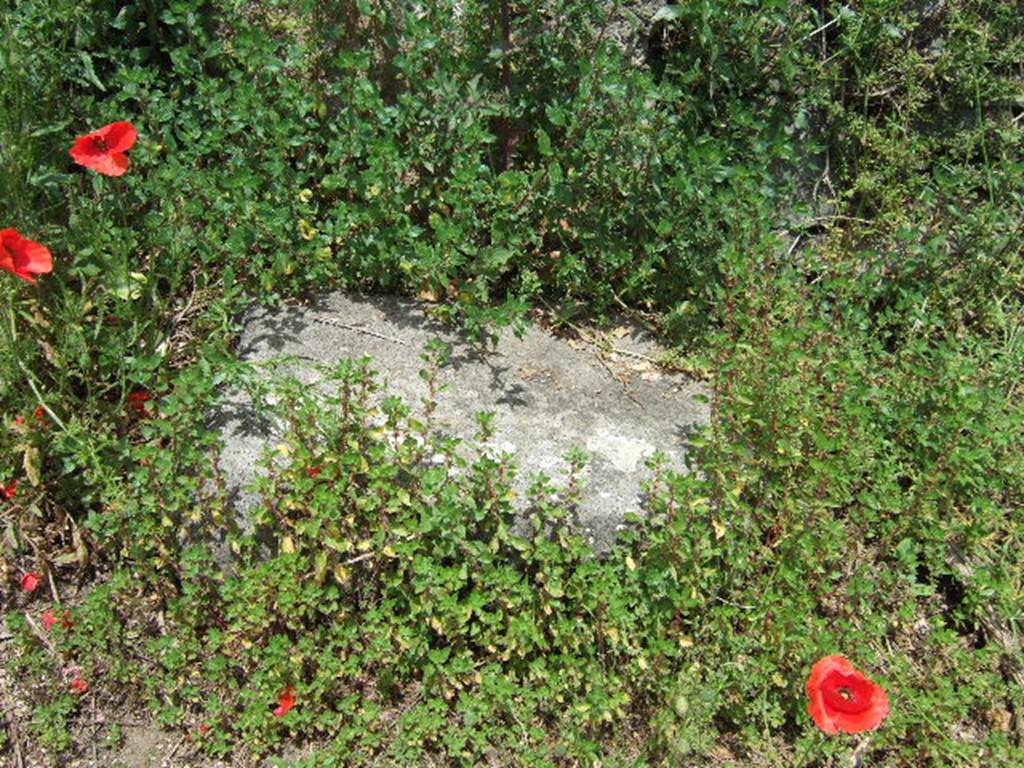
386	581
859	488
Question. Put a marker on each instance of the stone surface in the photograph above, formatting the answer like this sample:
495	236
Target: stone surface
632	25
548	394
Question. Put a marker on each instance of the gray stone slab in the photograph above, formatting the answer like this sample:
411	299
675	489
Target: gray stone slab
548	394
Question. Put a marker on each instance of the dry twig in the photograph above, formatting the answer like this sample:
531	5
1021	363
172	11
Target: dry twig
53	586
174	750
38	632
358	329
95	757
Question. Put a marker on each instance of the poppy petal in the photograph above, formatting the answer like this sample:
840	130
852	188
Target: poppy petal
285	702
873	709
30	581
37	258
85	150
120	136
826	666
108	164
51	619
6	254
7	492
23	257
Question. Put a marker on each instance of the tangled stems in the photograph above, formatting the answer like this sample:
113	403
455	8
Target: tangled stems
11	334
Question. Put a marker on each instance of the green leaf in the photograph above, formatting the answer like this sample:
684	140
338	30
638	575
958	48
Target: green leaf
89	71
543	142
668	13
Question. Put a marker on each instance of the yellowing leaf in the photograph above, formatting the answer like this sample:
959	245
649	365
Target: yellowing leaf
306	230
719	528
428	294
81	550
321	566
31	462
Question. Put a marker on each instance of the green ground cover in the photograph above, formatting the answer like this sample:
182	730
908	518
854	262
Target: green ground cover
860	484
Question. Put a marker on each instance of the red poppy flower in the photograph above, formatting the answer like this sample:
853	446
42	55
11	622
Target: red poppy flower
19	421
50	619
104	150
23	257
137	402
78	685
7	491
843	699
30	581
314	472
285	702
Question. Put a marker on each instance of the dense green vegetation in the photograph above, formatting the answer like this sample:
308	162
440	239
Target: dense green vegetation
819	205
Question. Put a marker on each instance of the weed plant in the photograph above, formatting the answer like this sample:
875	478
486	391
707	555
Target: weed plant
819	203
